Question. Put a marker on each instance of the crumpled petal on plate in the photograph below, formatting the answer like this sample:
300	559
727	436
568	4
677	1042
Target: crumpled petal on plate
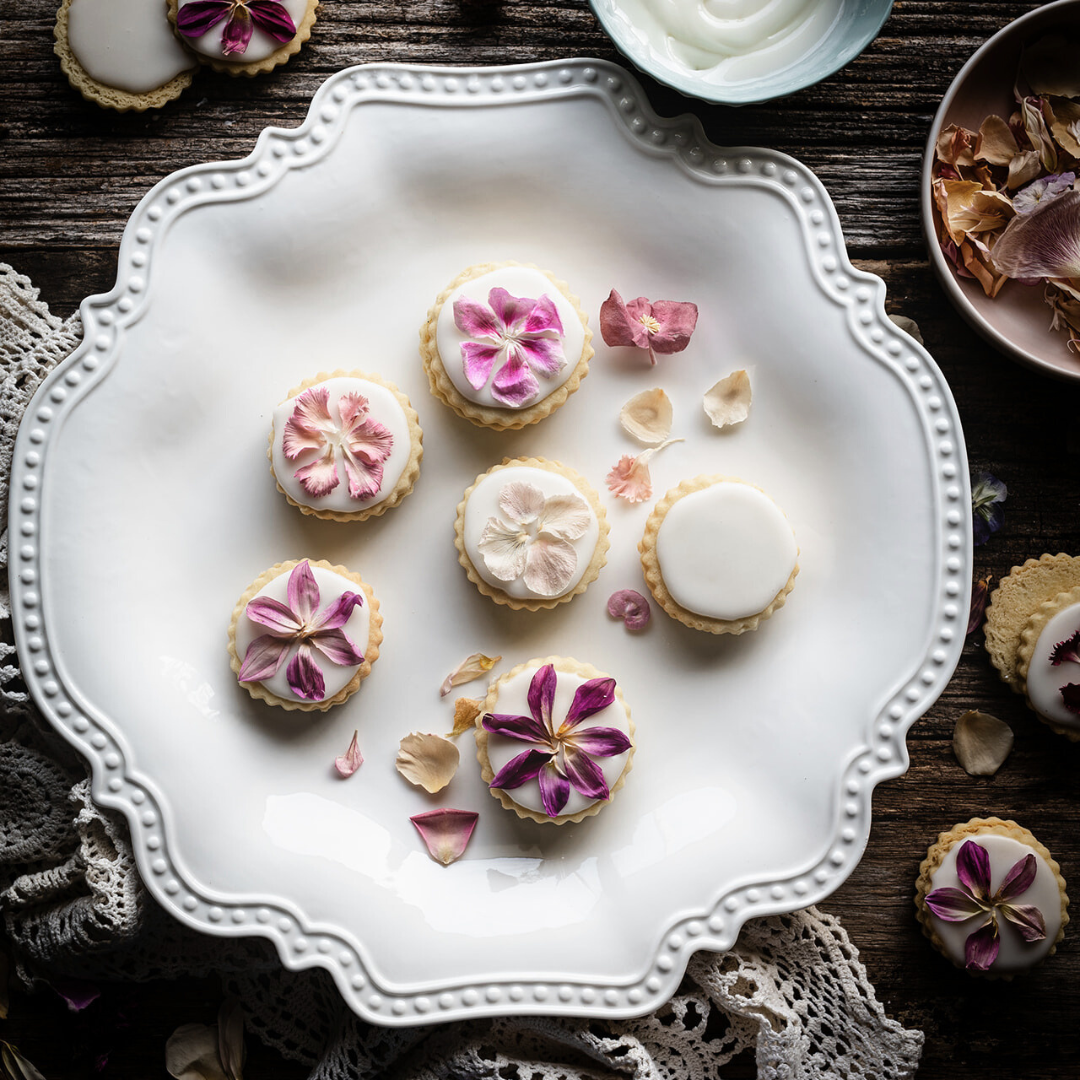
647	416
728	401
446	832
428	761
981	743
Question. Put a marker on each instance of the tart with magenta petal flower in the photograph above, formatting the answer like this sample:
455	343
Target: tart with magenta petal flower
345	446
243	37
304	635
531	533
991	898
505	345
555	740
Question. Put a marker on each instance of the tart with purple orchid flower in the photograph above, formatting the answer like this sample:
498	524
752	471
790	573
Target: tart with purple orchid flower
991	898
505	344
345	446
554	740
1048	666
531	533
243	37
304	635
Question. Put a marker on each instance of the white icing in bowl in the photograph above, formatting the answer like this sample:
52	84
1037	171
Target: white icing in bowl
1044	681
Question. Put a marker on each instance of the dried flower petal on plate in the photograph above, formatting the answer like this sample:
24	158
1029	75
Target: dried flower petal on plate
988	493
446	832
728	401
630	606
661	326
647	416
351	760
1043	243
466	710
1042	190
980	593
981	743
472	667
630	479
428	761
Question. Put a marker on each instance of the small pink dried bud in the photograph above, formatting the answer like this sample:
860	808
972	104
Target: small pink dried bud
631	607
351	760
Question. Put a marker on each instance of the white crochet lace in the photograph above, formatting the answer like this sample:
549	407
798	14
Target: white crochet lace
792	989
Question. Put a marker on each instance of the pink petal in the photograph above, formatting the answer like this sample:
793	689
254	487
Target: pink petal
630	606
194	20
510	310
351	760
973	869
477	361
1019	879
584	774
677	321
353	409
525	728
306	428
514	384
554	790
237	33
263	658
981	947
1027	918
542	695
364	480
320	477
274	614
476	319
1043	243
446	832
337	614
77	993
337	647
304	675
521	501
272	18
617	327
544	355
544	318
519	770
953	905
630	478
589	699
303	591
599	741
370	441
550	564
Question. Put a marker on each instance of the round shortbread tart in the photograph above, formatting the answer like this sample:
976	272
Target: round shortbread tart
390	441
560	525
719	555
363	628
540	327
1043	673
510	694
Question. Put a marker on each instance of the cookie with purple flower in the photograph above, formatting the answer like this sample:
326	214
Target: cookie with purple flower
991	898
555	740
505	345
304	635
1048	665
243	37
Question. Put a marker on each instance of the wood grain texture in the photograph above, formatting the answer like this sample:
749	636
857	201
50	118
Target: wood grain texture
71	174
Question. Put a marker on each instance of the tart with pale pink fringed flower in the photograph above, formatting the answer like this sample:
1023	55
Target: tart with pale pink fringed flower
531	533
304	635
991	898
345	446
554	740
505	345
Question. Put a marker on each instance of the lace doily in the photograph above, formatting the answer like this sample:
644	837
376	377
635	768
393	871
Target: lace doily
792	989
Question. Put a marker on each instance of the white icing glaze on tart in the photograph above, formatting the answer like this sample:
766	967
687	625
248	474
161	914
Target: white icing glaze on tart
519	281
358	626
258	48
1015	954
383	407
513	700
483	504
1044	681
126	44
726	551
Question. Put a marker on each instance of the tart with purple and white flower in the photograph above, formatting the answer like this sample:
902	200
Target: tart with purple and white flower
304	635
505	344
531	533
555	740
345	446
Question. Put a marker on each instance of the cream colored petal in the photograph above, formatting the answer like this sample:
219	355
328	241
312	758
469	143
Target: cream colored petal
551	566
1065	124
191	1053
728	401
428	761
1025	167
472	667
996	142
521	501
981	743
565	516
504	549
647	416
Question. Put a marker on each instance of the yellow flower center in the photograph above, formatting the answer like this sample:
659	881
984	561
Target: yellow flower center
650	324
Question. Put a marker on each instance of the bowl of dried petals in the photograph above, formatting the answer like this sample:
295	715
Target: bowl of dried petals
1001	190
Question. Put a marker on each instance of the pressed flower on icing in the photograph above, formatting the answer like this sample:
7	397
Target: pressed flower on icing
304	635
505	345
531	533
554	740
345	446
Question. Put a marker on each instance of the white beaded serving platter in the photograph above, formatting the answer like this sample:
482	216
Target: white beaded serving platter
142	506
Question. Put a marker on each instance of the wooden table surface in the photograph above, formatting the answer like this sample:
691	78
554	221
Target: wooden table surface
70	174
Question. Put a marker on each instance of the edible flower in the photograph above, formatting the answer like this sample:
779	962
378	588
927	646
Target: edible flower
428	761
647	416
630	478
661	326
300	623
1041	191
987	513
472	667
364	443
525	334
561	757
1044	242
195	19
535	545
351	760
446	832
973	899
980	593
1068	651
630	606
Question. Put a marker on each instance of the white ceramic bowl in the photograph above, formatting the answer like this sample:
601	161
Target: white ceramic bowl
1017	320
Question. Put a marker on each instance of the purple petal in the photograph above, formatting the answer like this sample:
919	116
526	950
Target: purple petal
599	741
303	592
1044	243
1069	649
1019	879
263	658
544	317
677	321
589	698
274	614
616	325
544	355
514	384
542	695
554	790
476	319
1027	918
195	19
973	869
337	647
446	832
512	310
237	33
953	905
631	607
77	993
516	727
271	18
521	769
584	774
477	361
981	947
304	676
337	614
1070	696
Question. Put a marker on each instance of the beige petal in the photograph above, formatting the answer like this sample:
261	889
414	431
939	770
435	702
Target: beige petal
466	710
428	761
728	401
191	1053
954	145
472	667
981	743
647	416
1065	124
996	142
909	326
1025	167
231	1038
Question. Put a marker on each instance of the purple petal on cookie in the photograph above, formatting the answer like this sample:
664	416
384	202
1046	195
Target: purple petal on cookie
1067	650
273	614
263	658
337	647
271	17
514	384
981	947
521	769
584	774
446	832
337	614
554	790
304	676
1019	879
589	698
952	904
599	741
511	310
542	695
525	728
1070	696
1027	918
543	318
477	361
476	319
195	19
303	591
544	355
973	869
237	32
